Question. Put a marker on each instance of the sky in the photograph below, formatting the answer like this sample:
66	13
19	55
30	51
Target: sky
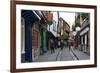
69	17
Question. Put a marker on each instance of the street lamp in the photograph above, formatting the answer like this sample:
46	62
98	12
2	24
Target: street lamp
77	29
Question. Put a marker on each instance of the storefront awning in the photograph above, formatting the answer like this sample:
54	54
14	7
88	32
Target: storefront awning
84	31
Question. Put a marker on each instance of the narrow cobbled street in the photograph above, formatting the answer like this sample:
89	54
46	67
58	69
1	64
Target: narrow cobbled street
63	55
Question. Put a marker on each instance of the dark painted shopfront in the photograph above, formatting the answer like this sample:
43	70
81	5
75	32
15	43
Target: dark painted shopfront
30	19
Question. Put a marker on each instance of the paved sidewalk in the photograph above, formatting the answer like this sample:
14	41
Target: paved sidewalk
58	55
48	56
81	55
65	55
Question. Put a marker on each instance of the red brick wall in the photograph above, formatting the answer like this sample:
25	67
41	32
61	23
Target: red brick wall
35	36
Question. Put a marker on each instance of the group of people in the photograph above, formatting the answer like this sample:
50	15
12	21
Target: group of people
54	45
61	45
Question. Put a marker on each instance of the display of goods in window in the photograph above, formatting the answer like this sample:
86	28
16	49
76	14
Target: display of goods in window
50	17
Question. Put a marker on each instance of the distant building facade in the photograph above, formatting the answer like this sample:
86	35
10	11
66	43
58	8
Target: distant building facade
63	30
83	36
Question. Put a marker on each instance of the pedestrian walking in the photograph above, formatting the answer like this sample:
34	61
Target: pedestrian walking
52	45
61	45
69	44
74	44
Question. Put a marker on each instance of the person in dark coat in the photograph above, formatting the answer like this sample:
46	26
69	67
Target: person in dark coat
61	45
52	45
69	44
